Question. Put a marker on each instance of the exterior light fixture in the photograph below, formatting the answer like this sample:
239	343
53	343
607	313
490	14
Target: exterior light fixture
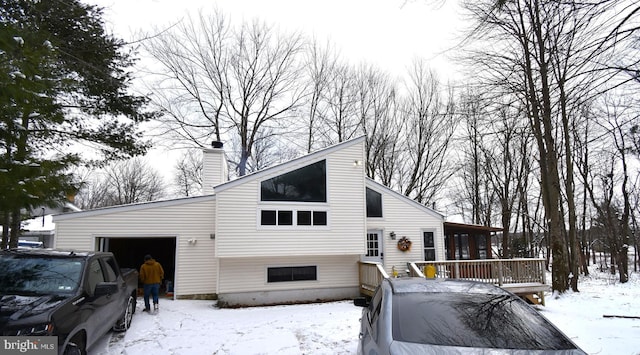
392	235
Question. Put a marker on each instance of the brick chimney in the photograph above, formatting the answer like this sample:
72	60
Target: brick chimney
215	170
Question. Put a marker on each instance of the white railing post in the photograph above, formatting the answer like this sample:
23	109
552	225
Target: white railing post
415	269
382	272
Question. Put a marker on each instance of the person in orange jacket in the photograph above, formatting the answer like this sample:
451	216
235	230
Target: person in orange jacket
151	275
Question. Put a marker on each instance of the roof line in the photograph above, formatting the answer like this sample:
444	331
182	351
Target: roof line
473	226
410	200
282	166
130	207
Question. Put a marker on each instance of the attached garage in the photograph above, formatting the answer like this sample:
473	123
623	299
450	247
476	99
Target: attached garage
129	252
178	233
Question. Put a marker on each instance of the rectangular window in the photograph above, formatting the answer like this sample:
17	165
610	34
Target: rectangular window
481	245
294	273
110	267
319	218
285	218
268	218
95	275
429	246
374	203
304	218
447	240
373	248
462	246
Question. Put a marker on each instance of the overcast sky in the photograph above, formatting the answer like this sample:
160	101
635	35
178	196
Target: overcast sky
389	33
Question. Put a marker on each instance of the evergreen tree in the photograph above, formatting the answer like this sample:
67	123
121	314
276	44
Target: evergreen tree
63	82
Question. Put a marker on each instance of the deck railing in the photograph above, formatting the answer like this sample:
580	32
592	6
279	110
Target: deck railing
525	277
371	275
496	271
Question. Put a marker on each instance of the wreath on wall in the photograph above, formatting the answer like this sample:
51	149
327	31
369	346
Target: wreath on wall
404	244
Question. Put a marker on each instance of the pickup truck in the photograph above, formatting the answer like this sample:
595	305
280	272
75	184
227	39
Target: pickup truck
75	296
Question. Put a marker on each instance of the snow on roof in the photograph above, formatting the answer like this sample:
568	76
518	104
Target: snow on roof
39	224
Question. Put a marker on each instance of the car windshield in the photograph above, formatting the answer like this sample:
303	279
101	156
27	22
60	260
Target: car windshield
472	320
28	275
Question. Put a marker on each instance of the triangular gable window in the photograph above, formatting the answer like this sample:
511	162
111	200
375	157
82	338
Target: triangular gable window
307	184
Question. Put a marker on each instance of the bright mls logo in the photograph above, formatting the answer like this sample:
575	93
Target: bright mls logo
29	345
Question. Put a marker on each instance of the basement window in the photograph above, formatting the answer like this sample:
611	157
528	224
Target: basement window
292	273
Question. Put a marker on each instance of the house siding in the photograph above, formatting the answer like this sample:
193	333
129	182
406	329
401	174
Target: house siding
239	235
233	264
250	274
406	219
196	270
214	169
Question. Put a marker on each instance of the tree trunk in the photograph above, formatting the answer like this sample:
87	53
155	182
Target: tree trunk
5	229
573	249
623	254
242	164
14	234
506	225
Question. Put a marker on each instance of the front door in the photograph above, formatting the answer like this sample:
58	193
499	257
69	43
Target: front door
374	247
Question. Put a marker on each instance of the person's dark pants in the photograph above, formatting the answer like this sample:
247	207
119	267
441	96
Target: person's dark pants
153	290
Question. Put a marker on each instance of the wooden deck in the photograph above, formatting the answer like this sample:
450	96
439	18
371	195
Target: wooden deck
524	277
371	275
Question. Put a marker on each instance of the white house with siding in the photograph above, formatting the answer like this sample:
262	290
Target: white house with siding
294	232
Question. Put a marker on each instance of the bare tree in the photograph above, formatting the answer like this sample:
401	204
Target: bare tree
551	55
188	173
378	112
474	192
615	209
92	192
423	168
223	82
505	165
124	182
339	117
320	62
269	150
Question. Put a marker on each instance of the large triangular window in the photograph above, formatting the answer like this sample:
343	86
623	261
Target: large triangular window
307	184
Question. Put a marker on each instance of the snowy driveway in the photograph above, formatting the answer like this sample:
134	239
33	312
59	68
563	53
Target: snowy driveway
197	327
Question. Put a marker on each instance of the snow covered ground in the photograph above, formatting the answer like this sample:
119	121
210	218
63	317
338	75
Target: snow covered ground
198	327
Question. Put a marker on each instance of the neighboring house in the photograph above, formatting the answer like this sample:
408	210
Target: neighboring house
40	227
291	233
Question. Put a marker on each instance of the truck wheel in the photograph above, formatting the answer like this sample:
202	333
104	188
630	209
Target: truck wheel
125	322
76	346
